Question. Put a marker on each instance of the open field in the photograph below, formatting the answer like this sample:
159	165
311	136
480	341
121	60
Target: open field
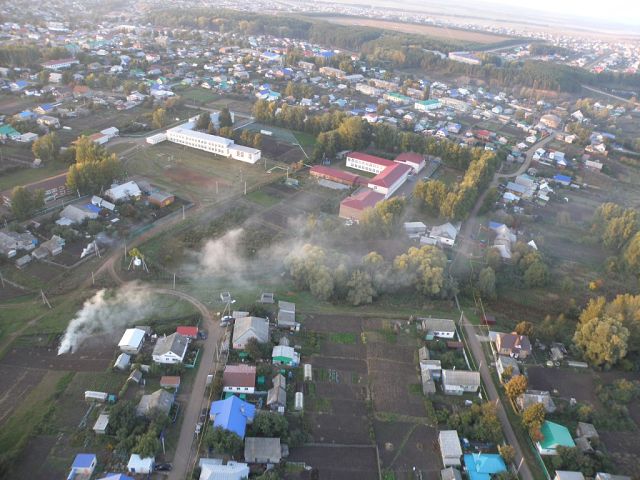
11	104
426	30
25	176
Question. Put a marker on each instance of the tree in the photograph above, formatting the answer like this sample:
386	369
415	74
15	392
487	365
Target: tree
537	275
524	328
508	453
159	117
253	349
422	268
487	283
516	387
384	218
223	441
269	424
47	147
603	340
148	444
632	254
224	118
431	195
355	133
226	132
360	288
533	416
204	119
24	202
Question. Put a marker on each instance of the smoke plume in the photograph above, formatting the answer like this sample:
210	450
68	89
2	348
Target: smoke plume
104	313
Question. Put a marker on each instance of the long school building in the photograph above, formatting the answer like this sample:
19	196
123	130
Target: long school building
225	147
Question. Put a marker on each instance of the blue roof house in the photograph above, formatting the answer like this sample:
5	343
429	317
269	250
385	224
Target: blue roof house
83	465
116	476
232	414
480	466
562	179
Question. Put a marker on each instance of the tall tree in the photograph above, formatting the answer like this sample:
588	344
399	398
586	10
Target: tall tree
24	202
225	118
603	340
47	147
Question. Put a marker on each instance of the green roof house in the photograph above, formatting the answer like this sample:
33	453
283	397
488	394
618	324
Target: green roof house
285	355
554	436
8	131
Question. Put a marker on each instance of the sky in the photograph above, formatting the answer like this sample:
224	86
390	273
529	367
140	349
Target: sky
625	11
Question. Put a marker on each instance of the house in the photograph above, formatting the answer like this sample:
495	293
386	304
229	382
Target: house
450	448
450	473
426	105
390	179
83	466
567	475
139	465
131	341
239	379
189	332
277	395
415	229
285	355
553	436
262	450
170	381
100	427
72	214
482	466
562	180
439	327
11	242
457	382
503	363
513	345
445	234
160	400
48	121
135	376
126	191
214	469
286	314
414	160
608	476
232	414
531	397
247	328
123	361
58	64
171	349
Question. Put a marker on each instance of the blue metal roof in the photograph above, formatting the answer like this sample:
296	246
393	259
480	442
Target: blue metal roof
83	460
481	466
562	178
92	208
232	414
116	476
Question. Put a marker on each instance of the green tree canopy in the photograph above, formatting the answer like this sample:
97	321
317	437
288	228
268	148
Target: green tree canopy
603	340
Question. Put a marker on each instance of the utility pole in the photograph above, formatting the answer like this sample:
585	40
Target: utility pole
216	187
174	281
183	212
2	280
245	187
93	280
45	301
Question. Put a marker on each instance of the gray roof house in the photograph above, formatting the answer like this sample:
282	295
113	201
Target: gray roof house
450	448
262	450
286	314
170	349
450	473
531	397
76	214
586	430
159	400
247	328
277	395
457	382
439	327
428	384
504	362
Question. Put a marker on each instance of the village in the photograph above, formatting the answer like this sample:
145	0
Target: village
229	253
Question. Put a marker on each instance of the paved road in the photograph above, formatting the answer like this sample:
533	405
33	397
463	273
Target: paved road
487	380
601	92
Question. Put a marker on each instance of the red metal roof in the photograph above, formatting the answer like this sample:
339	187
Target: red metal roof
410	157
169	381
335	173
239	376
365	157
390	175
363	199
188	331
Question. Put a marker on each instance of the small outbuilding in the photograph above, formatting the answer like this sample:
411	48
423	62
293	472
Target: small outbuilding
139	465
132	340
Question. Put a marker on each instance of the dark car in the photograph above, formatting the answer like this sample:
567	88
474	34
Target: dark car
163	467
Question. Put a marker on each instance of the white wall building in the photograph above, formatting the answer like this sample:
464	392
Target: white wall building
131	341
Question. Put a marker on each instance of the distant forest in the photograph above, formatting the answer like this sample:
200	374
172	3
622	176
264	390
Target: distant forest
396	50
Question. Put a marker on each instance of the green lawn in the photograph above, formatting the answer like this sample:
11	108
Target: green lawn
305	139
199	95
344	338
262	198
26	175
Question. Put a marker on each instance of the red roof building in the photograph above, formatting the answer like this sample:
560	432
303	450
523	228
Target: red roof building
353	207
335	175
390	179
169	381
367	163
239	379
414	160
190	332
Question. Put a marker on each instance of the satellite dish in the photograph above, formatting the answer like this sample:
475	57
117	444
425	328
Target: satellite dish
137	262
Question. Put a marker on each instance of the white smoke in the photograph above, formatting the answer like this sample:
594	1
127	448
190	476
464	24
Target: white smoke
221	256
104	313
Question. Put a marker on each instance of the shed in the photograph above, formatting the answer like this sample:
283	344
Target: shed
161	199
567	475
100	427
123	361
131	341
83	464
286	314
299	401
140	465
450	473
170	381
587	430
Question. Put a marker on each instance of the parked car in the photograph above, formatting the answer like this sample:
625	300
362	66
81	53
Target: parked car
198	428
163	467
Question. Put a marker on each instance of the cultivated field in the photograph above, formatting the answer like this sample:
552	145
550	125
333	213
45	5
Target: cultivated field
427	30
361	399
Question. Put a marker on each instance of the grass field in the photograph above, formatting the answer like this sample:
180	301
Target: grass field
306	140
443	33
195	173
198	95
29	175
262	198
